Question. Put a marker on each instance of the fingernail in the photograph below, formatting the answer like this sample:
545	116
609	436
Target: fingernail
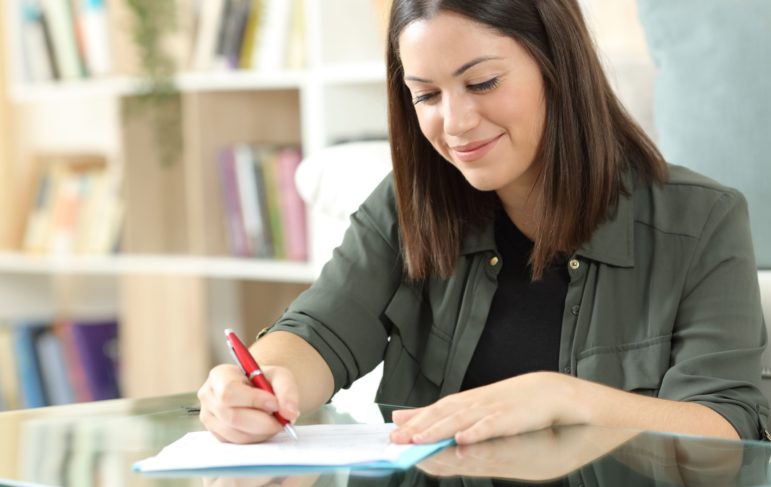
293	412
418	437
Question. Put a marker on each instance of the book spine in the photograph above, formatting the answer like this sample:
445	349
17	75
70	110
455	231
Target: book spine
74	362
28	366
273	33
63	39
96	345
53	369
249	199
292	206
9	382
93	18
250	36
209	21
269	159
239	243
37	56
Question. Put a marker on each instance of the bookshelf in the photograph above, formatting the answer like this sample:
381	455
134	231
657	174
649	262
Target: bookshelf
174	286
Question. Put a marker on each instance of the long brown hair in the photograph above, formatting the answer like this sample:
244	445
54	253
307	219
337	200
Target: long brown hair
588	141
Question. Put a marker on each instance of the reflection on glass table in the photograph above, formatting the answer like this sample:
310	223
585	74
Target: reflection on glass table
95	444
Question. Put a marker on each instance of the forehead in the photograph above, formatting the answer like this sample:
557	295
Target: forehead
448	37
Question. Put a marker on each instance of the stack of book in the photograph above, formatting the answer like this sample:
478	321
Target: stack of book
65	39
264	213
44	364
264	35
76	208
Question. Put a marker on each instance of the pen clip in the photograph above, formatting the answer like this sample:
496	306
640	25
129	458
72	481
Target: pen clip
235	357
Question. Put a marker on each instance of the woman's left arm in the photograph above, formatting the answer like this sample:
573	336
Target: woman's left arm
541	399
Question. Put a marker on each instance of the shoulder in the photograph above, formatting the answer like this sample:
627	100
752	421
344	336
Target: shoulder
379	210
684	203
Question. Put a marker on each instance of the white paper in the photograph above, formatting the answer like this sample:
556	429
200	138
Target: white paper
318	445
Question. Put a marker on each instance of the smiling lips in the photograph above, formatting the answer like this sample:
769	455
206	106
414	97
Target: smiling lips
475	150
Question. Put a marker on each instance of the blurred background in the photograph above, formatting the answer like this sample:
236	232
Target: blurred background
170	168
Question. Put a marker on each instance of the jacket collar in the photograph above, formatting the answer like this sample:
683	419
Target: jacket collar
611	243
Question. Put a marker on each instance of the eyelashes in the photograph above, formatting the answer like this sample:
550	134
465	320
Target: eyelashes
485	85
482	87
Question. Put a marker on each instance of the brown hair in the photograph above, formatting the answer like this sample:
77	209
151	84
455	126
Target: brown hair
588	141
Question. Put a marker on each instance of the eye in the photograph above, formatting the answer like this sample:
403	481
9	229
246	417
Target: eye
423	97
484	86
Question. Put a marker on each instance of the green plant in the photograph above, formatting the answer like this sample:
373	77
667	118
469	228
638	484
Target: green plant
153	22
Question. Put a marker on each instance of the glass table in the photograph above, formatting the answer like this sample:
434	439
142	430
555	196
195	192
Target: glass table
95	444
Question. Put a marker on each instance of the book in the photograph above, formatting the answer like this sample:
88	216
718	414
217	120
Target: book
360	446
295	55
74	362
232	33
27	364
59	16
234	220
249	38
251	197
9	383
96	39
53	369
293	212
205	45
269	162
76	207
38	220
270	53
36	43
96	344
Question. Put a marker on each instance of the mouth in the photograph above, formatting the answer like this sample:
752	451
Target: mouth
475	150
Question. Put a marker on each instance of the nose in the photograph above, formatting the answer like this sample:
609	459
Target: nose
460	114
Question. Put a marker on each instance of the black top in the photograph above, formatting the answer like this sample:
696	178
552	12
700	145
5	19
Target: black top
522	333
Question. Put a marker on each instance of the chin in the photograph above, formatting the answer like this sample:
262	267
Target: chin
482	184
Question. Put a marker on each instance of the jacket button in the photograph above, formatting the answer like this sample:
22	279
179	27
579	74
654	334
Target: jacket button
574	264
494	261
574	309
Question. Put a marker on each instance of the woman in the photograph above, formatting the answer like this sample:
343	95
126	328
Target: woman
532	262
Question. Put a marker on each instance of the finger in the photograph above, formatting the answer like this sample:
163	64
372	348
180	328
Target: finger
439	421
241	426
228	387
286	392
403	415
486	427
445	426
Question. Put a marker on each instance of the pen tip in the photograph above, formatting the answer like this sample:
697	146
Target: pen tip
292	432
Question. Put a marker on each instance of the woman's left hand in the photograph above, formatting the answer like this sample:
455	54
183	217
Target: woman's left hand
525	403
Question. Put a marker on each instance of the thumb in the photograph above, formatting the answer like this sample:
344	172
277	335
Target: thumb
285	388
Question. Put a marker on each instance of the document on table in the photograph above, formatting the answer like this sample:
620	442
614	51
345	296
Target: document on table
326	445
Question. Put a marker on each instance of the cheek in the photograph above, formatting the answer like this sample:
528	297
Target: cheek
432	128
427	122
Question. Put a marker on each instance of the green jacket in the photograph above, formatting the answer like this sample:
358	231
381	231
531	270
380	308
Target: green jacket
662	301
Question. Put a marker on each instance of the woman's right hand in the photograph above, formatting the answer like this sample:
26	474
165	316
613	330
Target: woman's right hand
237	412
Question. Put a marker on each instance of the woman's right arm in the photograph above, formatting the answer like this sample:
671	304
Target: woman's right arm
235	411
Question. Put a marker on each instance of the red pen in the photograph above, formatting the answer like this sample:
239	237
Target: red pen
252	371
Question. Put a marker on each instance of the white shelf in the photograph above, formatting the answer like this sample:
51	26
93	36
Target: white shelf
189	82
212	267
372	72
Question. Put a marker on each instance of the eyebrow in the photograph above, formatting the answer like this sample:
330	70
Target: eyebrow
458	71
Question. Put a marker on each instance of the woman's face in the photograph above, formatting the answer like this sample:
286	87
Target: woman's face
479	99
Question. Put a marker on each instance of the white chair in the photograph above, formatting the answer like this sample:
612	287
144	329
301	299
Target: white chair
334	182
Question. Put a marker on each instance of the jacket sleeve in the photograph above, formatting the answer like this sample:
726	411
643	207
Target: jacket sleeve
341	315
719	333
